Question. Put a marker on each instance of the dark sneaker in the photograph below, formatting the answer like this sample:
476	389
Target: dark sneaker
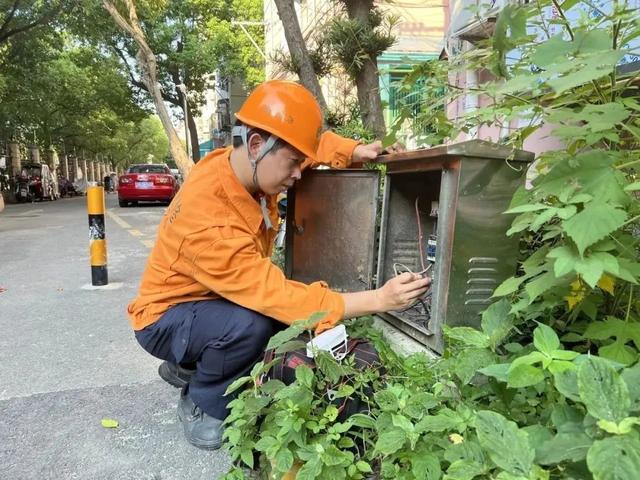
175	375
200	429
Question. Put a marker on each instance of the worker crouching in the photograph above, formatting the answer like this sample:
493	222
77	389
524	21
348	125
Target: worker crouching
210	295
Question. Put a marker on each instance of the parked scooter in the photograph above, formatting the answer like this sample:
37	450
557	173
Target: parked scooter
35	182
24	188
67	188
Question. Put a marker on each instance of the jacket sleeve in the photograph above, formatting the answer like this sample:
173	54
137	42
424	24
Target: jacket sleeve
334	151
235	270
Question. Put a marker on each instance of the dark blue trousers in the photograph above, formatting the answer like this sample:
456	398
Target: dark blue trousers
223	339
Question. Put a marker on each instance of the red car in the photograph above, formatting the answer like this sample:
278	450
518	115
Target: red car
146	182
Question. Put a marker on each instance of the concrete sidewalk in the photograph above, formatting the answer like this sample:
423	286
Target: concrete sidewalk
69	359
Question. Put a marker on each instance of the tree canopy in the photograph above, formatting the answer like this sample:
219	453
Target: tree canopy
69	77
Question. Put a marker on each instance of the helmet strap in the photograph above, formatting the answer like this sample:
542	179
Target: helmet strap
242	131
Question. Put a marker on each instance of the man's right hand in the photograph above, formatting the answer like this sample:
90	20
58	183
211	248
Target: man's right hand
402	291
397	294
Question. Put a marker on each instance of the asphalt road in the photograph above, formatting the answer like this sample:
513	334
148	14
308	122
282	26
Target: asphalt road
68	358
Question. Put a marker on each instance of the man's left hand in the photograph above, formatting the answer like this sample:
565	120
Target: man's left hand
366	153
369	152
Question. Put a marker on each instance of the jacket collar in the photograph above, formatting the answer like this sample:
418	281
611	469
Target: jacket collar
245	204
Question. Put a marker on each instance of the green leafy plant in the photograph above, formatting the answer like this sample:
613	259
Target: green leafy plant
548	385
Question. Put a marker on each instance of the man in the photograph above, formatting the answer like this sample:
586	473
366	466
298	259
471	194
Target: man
210	294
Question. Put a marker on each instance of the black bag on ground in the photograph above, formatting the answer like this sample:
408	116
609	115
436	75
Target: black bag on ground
361	350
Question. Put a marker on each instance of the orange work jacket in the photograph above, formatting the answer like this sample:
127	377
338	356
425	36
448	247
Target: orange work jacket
212	242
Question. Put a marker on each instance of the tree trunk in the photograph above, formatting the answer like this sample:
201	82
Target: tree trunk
147	63
193	133
298	50
367	79
369	99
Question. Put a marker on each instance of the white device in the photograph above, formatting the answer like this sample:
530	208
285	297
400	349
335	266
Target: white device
333	341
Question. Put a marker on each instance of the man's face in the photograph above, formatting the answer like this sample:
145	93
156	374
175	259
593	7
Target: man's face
278	171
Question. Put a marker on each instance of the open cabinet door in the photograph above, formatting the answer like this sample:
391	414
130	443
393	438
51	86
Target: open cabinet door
331	228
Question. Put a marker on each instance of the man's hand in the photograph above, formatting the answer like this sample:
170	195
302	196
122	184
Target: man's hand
402	291
366	153
369	152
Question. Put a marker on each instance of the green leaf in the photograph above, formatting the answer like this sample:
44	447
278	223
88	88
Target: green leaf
403	422
304	375
528	207
329	367
565	260
545	339
468	362
553	50
632	187
564	446
557	366
602	390
109	423
509	476
284	460
586	68
390	441
581	198
291	346
499	371
266	443
602	116
387	400
566	381
631	377
284	336
520	223
530	359
537	434
363	467
567	419
622	332
236	384
310	470
524	376
496	322
467	335
271	387
509	286
540	285
344	391
313	320
464	470
615	458
420	403
596	221
622	428
564	354
619	352
506	444
363	421
425	464
446	419
246	454
592	171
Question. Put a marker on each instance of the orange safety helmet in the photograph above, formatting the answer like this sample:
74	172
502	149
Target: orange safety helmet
288	111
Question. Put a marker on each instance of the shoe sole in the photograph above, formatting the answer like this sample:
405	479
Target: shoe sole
169	377
202	446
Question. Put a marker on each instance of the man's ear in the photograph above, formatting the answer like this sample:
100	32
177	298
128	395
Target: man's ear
255	142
